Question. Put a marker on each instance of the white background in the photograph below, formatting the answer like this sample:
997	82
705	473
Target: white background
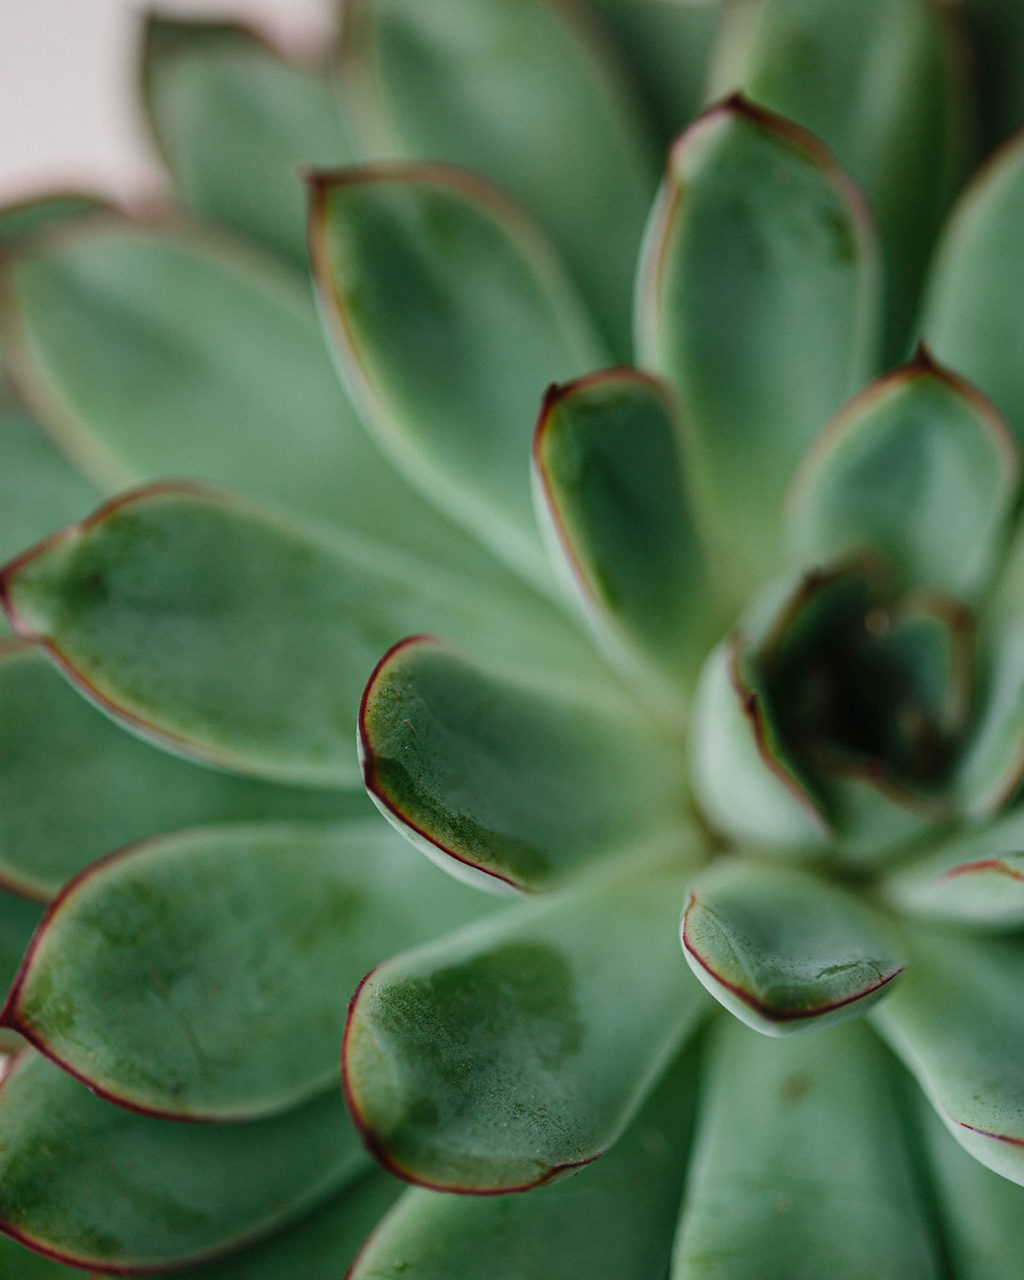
69	115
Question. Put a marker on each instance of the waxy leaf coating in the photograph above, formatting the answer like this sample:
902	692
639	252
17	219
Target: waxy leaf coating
613	1219
610	468
450	311
783	950
227	952
494	1060
528	94
74	786
919	466
238	638
99	1186
757	297
801	1167
493	776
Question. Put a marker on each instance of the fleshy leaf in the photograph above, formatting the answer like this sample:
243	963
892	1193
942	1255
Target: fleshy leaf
74	786
982	1214
39	489
973	305
757	297
954	1019
507	781
783	950
526	94
319	1247
975	877
992	767
151	353
450	312
231	116
614	1219
495	1060
257	662
743	777
877	82
801	1170
18	921
99	1186
612	493
921	467
20	223
20	1263
230	951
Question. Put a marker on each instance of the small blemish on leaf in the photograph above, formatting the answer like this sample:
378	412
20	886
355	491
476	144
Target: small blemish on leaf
794	1087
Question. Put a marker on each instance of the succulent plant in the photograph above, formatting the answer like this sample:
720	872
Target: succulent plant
733	702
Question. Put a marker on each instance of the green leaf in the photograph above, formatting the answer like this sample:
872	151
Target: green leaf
801	1168
614	1219
783	950
319	1247
975	877
503	780
973	306
992	766
203	975
757	297
496	1060
612	493
982	1214
955	1021
232	116
113	788
150	353
743	777
451	314
877	81
526	94
257	663
18	922
98	1186
919	466
667	46
39	489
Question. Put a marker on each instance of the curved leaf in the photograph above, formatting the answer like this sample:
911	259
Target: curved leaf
982	1214
783	950
75	786
231	636
451	313
612	493
614	1219
802	1169
974	305
742	775
757	296
39	489
990	771
878	81
919	466
976	877
231	951
526	94
955	1021
232	116
151	353
494	1060
503	781
98	1186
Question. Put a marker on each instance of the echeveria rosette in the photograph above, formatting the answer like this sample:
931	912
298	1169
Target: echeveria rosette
797	734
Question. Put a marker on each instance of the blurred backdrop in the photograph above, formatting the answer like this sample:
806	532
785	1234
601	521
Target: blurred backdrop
68	111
